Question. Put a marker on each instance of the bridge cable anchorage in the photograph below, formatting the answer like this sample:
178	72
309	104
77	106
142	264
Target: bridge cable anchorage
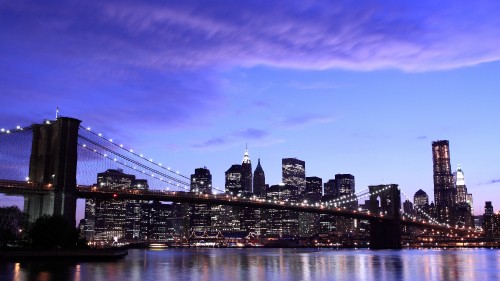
133	161
152	176
132	152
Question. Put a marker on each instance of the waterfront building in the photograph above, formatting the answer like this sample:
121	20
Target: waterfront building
309	223
488	220
159	221
294	173
282	222
111	220
134	227
444	191
259	180
199	217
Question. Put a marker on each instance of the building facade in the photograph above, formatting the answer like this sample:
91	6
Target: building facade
234	180
294	173
259	180
246	173
444	191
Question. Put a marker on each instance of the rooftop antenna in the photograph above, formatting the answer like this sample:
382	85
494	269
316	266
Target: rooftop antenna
57	112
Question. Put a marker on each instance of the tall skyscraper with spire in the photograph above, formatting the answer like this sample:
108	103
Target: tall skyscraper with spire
246	172
444	191
259	180
459	181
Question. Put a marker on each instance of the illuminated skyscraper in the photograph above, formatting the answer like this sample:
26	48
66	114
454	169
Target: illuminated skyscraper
200	215
294	173
201	181
345	184
314	185
114	219
259	180
459	180
234	180
421	199
421	203
488	219
444	191
329	188
246	173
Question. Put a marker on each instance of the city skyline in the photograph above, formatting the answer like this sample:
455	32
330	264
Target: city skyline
361	91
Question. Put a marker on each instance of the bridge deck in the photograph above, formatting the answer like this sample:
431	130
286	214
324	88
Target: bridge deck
20	188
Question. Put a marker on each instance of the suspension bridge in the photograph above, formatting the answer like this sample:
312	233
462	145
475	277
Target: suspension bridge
54	163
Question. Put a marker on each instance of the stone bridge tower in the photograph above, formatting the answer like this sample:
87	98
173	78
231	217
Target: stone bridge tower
385	233
53	164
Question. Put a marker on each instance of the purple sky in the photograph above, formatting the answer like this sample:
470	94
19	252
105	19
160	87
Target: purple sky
361	89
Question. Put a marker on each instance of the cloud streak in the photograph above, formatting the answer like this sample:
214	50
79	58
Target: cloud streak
257	137
409	36
161	59
304	120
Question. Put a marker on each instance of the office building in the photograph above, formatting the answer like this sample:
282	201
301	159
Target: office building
294	173
200	215
259	180
234	180
246	173
444	191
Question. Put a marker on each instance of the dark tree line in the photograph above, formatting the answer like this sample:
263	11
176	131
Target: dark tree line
47	232
12	223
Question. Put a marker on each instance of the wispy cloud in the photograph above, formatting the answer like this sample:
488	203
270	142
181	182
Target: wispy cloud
493	181
215	142
422	137
315	85
159	59
256	136
305	120
251	133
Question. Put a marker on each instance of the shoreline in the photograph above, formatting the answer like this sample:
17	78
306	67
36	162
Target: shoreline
69	255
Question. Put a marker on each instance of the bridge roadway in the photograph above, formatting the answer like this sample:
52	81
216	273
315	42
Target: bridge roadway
9	187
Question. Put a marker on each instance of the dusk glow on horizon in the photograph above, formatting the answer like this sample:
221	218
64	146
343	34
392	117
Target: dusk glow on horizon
349	89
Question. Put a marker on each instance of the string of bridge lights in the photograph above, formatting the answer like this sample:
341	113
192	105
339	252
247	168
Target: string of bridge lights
16	129
429	217
347	198
129	150
116	160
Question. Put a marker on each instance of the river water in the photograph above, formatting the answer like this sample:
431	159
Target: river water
271	264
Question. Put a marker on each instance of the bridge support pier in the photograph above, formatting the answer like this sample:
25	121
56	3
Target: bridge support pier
385	234
53	163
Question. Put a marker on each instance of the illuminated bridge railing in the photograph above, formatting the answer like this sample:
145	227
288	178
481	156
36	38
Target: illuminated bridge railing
92	192
222	199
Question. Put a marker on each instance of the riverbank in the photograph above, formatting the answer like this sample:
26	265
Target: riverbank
76	254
